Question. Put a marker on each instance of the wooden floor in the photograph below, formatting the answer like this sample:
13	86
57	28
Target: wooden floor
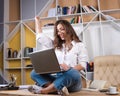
25	92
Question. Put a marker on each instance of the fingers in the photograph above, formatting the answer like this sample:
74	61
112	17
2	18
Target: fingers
37	18
65	67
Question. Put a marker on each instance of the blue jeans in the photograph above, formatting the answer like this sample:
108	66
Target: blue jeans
71	79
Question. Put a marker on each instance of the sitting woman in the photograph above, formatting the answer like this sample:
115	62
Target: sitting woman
71	54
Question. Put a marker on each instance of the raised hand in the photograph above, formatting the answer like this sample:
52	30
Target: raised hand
37	24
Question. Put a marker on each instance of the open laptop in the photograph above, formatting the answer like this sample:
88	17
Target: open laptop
45	61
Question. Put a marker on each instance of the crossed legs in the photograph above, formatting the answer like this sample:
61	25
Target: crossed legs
49	83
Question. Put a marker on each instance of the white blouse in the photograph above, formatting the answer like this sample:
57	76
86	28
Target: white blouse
77	55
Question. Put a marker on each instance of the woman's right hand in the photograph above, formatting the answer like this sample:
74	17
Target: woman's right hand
65	67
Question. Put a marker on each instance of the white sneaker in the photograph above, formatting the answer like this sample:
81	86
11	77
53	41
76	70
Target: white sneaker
35	89
65	91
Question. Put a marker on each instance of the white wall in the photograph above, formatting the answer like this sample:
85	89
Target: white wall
103	39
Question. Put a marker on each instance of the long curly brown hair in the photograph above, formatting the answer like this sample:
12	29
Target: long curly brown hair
69	31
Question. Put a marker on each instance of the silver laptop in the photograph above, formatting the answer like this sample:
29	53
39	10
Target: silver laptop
45	61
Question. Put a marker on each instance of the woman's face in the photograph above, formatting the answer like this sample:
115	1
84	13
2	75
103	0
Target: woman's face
61	31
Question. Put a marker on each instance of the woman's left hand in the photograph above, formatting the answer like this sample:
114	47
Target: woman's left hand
65	67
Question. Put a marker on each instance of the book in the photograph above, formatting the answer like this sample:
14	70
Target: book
73	9
69	10
92	8
72	21
78	8
83	10
87	9
76	20
79	19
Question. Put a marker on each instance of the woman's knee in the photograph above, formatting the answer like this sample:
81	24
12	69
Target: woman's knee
33	73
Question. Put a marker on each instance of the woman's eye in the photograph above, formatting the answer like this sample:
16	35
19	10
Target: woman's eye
62	29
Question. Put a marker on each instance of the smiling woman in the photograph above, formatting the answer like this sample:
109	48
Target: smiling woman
72	57
61	32
64	33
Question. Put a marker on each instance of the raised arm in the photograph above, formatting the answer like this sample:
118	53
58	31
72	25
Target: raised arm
37	25
43	41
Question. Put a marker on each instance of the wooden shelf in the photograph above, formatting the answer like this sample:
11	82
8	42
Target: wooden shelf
20	34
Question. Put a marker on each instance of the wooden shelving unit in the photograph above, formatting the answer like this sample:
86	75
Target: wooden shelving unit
95	30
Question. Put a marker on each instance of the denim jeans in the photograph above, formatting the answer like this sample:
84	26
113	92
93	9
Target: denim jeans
70	78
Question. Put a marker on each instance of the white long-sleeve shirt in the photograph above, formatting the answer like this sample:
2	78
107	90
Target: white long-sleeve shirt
77	55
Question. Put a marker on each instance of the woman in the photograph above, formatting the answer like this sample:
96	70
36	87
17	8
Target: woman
72	56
